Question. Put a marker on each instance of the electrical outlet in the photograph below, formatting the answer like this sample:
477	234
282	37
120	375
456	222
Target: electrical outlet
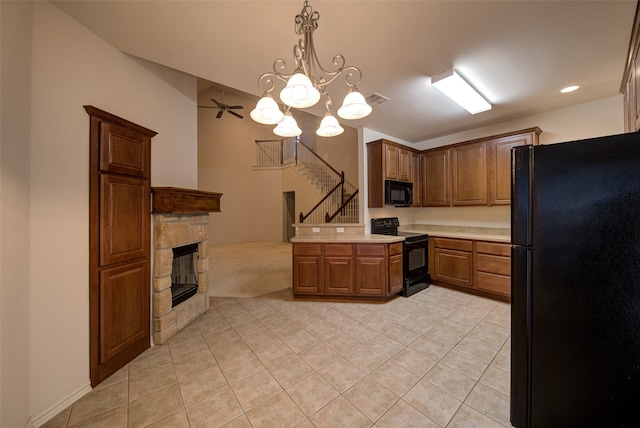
315	229
340	229
505	219
452	217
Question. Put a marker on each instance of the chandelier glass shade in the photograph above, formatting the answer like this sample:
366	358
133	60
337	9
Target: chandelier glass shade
308	82
287	127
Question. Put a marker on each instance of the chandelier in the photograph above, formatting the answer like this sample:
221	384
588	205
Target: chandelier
307	84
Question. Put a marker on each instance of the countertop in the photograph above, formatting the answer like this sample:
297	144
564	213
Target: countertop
349	238
461	232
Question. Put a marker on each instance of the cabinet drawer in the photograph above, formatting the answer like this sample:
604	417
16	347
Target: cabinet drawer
453	244
395	248
338	249
307	249
493	264
370	250
493	248
493	283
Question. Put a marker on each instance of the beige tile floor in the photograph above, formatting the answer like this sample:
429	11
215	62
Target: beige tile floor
437	359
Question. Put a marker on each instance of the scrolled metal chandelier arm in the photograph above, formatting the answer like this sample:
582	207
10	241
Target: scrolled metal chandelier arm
309	80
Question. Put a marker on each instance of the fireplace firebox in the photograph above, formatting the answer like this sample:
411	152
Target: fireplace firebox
184	273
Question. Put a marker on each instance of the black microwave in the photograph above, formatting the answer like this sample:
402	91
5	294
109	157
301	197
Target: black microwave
398	193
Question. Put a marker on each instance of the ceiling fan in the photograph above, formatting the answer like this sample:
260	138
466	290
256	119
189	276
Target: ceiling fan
224	107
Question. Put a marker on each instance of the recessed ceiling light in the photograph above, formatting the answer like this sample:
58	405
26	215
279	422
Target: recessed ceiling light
569	89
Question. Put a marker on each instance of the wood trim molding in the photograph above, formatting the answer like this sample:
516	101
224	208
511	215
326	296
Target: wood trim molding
108	117
176	200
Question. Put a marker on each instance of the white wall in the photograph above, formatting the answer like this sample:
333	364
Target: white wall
593	119
70	67
16	27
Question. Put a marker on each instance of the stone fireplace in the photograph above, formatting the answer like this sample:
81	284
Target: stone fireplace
180	218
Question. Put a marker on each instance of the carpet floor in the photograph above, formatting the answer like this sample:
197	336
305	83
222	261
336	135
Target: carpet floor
249	269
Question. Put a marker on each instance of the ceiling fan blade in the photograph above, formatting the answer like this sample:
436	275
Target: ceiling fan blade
234	107
235	114
217	103
219	115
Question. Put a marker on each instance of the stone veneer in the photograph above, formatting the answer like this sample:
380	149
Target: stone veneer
170	231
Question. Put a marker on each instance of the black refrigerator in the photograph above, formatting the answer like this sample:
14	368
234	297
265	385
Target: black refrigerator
575	287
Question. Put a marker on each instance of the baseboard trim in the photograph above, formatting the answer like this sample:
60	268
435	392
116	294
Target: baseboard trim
44	416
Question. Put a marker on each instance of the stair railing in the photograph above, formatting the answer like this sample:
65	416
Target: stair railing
348	209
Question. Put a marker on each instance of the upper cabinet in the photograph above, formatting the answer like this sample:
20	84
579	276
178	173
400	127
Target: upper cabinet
387	160
499	165
435	178
630	86
476	172
468	174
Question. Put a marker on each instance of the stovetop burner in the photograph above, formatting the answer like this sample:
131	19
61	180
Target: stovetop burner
390	225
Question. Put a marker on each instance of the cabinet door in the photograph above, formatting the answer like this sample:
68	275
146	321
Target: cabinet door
499	165
391	154
396	274
338	275
436	178
455	267
307	268
125	218
371	270
415	179
469	174
124	311
123	151
404	165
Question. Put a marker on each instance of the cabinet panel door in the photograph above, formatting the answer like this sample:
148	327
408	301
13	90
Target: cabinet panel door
455	267
499	284
396	274
123	151
416	179
338	275
124	310
125	218
499	158
307	274
436	179
404	165
371	276
469	174
391	154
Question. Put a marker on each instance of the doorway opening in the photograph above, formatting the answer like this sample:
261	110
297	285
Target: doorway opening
289	210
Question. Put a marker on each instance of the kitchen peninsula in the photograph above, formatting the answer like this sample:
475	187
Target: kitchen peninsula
339	262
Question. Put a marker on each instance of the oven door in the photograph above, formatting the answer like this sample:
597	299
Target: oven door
416	266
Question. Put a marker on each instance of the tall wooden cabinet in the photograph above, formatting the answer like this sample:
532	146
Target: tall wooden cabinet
387	160
119	242
468	174
436	184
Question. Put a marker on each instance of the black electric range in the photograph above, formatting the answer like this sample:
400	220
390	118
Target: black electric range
415	254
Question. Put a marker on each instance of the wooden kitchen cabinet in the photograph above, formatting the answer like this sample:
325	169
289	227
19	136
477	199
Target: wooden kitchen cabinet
386	160
307	269
469	172
453	261
493	267
371	270
475	266
416	179
337	271
436	178
396	268
499	165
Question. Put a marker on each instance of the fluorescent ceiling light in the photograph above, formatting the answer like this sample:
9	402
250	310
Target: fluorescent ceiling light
455	87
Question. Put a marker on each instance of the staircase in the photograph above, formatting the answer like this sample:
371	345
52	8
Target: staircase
338	201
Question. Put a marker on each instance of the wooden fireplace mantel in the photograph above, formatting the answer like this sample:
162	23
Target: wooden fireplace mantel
170	200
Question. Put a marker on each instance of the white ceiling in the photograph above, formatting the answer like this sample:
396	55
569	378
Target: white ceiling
519	54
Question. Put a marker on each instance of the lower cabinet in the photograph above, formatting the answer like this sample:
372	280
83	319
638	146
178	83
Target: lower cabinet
347	271
480	267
